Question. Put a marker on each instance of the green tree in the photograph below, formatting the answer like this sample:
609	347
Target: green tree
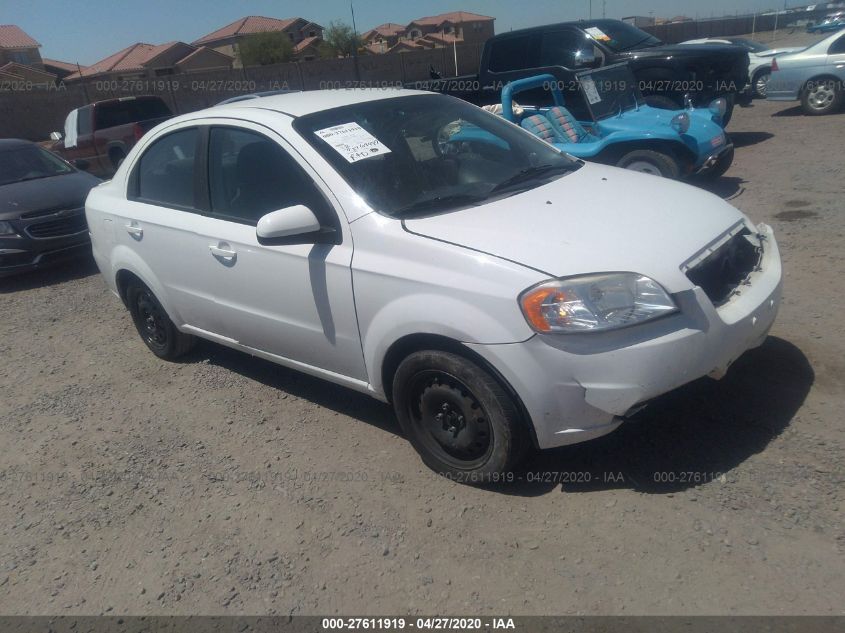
261	49
339	40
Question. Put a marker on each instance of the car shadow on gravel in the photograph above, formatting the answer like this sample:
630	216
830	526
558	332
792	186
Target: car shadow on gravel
687	437
726	187
51	276
316	390
746	139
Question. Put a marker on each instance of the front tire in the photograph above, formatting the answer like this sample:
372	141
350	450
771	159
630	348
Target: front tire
821	96
458	417
651	162
154	326
760	82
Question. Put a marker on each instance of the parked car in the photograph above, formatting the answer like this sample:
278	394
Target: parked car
832	22
759	58
813	76
621	131
666	74
42	214
499	299
98	136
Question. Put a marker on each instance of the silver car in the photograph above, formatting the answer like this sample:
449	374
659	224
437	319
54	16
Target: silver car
814	76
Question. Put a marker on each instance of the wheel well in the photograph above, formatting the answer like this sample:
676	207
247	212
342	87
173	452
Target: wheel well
123	279
411	343
612	154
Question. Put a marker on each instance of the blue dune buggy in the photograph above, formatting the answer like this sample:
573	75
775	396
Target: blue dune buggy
623	130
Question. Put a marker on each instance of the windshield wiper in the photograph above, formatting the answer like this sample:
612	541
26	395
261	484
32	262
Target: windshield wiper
439	202
531	173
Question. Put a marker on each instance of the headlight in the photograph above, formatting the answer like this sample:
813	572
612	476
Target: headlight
718	107
6	228
591	303
680	123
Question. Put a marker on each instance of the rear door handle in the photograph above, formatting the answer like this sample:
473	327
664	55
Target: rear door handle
134	230
223	251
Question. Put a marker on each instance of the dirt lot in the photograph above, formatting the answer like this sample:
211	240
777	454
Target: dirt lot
225	484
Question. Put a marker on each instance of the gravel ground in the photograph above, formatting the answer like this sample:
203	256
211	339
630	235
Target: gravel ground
224	484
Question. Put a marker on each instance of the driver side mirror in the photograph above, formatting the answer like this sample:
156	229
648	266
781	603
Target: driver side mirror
81	163
586	57
293	225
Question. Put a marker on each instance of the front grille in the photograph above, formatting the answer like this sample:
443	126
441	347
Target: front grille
725	269
58	227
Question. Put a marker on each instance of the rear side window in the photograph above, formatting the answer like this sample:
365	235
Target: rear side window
165	172
83	120
837	47
515	53
251	175
130	111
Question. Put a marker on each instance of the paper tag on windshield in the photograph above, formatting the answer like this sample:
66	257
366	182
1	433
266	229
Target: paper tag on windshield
597	34
589	88
352	141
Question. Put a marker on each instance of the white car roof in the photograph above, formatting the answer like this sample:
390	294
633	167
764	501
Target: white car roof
301	103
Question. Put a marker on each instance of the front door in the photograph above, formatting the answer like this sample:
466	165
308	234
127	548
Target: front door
293	301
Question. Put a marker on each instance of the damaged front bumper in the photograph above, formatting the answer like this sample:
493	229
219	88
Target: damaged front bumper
576	387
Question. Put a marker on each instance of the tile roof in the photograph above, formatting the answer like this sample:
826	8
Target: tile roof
55	63
247	26
305	43
21	70
12	36
202	49
131	58
388	29
443	38
454	17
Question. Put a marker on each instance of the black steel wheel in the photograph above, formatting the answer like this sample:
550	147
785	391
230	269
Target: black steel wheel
457	416
154	325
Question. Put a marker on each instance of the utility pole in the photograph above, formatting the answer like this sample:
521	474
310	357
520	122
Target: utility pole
591	10
355	44
603	7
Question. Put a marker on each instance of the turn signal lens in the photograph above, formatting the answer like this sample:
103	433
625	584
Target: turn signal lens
591	303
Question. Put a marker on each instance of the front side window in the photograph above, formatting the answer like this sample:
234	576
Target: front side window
515	53
165	171
565	48
251	175
424	154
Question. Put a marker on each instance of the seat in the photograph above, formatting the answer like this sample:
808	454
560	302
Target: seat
566	125
541	127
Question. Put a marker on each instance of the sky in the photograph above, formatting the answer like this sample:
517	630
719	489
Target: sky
86	31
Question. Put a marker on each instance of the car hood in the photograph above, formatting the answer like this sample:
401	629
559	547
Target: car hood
596	219
67	191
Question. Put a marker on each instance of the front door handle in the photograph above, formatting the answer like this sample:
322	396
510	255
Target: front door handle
224	252
134	230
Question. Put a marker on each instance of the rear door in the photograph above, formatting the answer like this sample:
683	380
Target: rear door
163	223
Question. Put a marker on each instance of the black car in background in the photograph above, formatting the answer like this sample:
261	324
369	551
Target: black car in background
666	74
42	207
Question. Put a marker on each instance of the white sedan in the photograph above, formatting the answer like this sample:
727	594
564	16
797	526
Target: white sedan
759	59
501	296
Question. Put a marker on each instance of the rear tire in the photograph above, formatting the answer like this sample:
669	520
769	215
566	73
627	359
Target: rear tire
459	419
154	326
821	96
651	162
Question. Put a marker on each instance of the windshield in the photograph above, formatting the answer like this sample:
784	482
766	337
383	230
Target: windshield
29	162
423	154
610	90
620	36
